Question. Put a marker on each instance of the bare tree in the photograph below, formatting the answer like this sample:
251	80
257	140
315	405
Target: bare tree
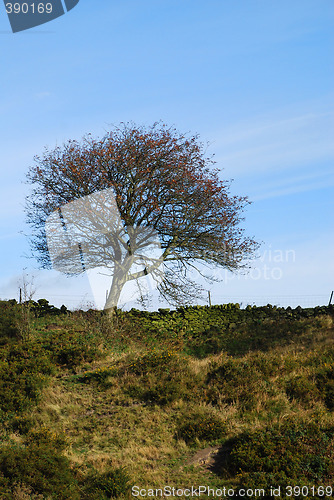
105	202
27	291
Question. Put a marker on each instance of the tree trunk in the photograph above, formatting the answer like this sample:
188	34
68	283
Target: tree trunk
113	297
118	282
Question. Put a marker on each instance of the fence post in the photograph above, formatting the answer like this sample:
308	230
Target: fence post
330	300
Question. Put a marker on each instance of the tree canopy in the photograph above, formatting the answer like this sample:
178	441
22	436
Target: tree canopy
139	185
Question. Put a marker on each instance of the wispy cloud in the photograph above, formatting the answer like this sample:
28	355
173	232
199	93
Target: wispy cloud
276	143
292	184
42	95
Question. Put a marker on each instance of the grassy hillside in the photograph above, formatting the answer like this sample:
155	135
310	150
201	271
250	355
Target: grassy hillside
215	396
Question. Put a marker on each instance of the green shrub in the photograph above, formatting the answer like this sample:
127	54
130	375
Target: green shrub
21	423
43	308
235	381
200	426
163	391
211	341
107	485
39	467
41	470
71	348
24	371
329	395
294	453
325	384
9	320
45	437
99	375
302	388
161	377
154	361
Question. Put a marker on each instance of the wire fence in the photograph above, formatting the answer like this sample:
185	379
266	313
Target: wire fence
275	300
86	301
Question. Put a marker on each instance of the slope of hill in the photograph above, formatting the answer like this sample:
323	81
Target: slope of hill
97	408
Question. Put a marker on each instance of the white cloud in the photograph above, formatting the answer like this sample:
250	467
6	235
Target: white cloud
276	143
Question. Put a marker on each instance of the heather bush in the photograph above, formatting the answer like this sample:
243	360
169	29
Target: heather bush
40	467
292	453
303	389
235	381
21	424
71	348
329	395
161	377
24	371
45	437
100	375
325	384
9	320
201	426
110	484
154	361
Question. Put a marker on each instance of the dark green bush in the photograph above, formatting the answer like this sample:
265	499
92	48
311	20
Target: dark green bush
200	426
210	341
99	375
71	348
302	388
155	377
40	467
43	308
162	391
107	485
329	395
24	371
161	377
154	361
294	453
21	423
235	381
325	384
9	320
45	437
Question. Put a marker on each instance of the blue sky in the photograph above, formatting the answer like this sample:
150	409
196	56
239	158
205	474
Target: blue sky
253	78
